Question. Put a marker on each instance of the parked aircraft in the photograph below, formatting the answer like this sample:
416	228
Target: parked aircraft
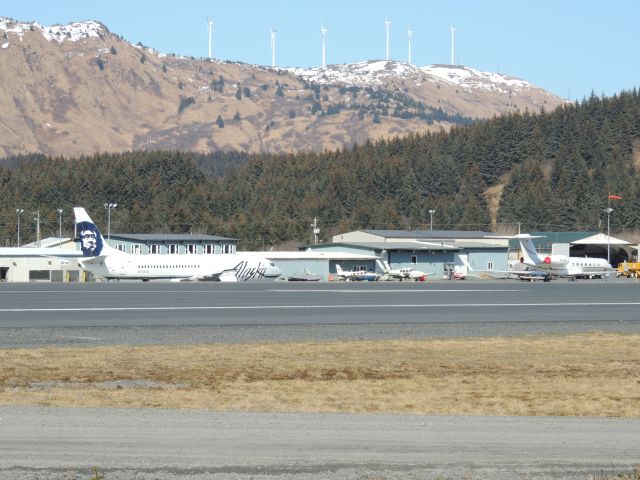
104	261
356	275
558	265
406	273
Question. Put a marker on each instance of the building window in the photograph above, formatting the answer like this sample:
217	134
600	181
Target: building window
192	249
173	249
121	247
227	249
414	259
136	249
154	249
209	249
489	265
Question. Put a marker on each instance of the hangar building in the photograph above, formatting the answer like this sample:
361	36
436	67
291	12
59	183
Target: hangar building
434	251
172	243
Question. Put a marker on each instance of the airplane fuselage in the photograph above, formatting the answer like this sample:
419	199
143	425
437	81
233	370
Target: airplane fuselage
232	267
573	266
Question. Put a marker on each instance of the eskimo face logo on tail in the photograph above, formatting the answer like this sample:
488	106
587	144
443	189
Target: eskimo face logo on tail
246	272
90	239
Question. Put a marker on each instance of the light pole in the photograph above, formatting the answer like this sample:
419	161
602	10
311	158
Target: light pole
37	220
59	210
19	211
608	210
109	207
431	212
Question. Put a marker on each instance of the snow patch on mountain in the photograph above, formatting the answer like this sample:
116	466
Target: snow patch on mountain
72	32
379	72
468	77
368	73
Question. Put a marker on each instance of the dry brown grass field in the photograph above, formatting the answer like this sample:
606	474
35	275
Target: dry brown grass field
592	374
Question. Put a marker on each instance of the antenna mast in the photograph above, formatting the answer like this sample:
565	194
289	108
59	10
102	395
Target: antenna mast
387	23
410	34
273	47
324	46
453	44
210	23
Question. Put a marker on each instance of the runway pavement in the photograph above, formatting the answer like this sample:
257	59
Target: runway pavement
147	313
53	443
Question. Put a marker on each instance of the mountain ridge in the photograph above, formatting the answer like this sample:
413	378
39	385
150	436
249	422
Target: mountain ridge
78	89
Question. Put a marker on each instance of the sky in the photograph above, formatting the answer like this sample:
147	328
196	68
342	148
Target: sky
569	47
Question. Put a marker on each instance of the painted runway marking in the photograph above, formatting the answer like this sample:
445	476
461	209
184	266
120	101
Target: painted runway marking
33	292
318	307
457	290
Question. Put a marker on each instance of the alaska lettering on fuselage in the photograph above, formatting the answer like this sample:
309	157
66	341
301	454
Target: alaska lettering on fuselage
245	272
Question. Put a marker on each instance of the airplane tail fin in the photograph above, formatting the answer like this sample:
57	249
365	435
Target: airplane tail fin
529	253
339	270
92	243
384	266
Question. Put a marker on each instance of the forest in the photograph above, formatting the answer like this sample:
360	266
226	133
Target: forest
544	171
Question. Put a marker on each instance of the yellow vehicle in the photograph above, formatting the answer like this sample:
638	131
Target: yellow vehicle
628	269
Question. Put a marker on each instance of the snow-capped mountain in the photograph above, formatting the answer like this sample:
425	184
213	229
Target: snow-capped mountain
78	88
72	32
378	72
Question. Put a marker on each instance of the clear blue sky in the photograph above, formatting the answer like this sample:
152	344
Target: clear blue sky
569	47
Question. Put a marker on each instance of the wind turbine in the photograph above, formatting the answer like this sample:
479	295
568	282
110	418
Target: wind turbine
210	23
273	47
324	46
387	23
453	44
410	34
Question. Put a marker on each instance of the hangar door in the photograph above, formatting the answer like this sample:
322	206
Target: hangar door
40	275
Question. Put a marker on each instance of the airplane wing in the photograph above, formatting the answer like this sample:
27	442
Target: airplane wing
519	274
99	260
223	276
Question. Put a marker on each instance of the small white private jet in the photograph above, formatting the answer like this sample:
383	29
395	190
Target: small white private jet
356	275
107	262
558	265
405	273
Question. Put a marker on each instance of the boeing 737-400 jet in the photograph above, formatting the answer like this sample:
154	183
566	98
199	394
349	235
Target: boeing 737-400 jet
107	262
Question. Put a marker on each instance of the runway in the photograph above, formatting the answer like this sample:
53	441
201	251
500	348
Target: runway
147	313
48	443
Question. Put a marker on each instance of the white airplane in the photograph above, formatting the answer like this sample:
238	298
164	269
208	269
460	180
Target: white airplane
104	261
558	265
406	273
356	275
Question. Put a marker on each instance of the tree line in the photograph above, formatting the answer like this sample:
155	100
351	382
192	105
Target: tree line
554	170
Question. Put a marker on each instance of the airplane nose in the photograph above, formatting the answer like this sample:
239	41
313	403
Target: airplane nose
276	272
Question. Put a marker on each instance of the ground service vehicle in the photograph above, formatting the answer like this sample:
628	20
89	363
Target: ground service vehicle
628	269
